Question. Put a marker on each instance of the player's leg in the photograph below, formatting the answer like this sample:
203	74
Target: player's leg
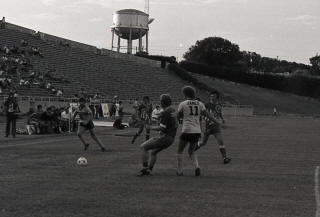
182	144
80	132
95	138
204	140
218	136
8	125
140	130
194	156
148	123
145	147
161	144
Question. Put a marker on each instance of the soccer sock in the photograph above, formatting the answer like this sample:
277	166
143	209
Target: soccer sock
179	161
223	151
194	158
145	158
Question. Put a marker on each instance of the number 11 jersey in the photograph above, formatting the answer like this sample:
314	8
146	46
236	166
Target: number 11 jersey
191	111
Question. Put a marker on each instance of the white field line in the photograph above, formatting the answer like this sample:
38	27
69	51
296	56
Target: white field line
317	190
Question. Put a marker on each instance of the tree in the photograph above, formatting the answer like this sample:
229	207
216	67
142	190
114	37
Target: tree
315	65
214	51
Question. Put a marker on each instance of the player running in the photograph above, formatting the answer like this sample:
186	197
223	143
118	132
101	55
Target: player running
86	123
190	112
168	128
144	115
214	107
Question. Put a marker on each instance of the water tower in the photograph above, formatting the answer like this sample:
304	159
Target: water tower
130	24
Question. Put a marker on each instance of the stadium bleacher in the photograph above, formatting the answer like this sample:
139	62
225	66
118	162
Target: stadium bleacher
107	75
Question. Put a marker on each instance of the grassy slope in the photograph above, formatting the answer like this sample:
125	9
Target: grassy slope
271	175
262	99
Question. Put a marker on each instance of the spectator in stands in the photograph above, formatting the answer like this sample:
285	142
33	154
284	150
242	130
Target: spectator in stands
23	43
36	52
83	93
11	111
3	23
59	92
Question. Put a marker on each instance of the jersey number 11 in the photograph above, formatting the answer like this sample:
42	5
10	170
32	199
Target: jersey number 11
194	110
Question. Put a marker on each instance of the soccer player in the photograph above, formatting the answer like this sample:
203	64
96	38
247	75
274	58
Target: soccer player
214	107
144	116
86	123
190	112
168	128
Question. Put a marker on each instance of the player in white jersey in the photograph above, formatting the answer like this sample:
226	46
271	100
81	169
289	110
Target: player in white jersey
190	112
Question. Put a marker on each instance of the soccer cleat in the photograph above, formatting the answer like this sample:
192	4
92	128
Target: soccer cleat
226	160
144	172
86	146
179	173
197	172
103	149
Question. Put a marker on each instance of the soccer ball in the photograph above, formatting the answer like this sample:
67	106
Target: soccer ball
82	161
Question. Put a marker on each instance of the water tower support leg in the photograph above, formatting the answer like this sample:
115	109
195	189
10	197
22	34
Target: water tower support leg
140	42
118	48
147	42
130	43
112	39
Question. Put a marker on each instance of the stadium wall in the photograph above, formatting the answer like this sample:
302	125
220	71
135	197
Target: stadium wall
25	103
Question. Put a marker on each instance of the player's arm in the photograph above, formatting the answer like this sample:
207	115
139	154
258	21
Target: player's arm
180	113
205	113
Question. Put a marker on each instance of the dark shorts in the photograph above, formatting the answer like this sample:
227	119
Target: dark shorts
190	137
88	126
213	129
158	143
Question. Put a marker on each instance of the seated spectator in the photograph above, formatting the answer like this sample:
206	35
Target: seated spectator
156	114
3	23
23	43
35	121
59	92
48	85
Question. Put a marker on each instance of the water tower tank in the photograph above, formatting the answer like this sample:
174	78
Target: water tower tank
130	24
130	19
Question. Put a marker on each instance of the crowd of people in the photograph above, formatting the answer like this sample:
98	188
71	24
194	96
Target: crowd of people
16	69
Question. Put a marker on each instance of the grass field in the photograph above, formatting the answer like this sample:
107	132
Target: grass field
272	174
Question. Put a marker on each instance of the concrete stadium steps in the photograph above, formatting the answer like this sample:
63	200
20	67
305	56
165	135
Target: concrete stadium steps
97	73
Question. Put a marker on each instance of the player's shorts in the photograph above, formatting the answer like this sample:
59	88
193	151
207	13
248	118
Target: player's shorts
190	137
213	129
158	143
88	126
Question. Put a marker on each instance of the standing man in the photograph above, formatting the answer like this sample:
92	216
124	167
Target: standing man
190	112
85	124
11	110
214	107
168	128
144	116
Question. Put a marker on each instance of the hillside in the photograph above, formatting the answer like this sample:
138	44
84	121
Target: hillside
262	99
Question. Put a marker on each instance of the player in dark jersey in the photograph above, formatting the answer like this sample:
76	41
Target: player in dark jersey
144	116
168	128
214	107
86	123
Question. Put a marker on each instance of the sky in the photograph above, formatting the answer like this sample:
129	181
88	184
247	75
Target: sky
288	29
